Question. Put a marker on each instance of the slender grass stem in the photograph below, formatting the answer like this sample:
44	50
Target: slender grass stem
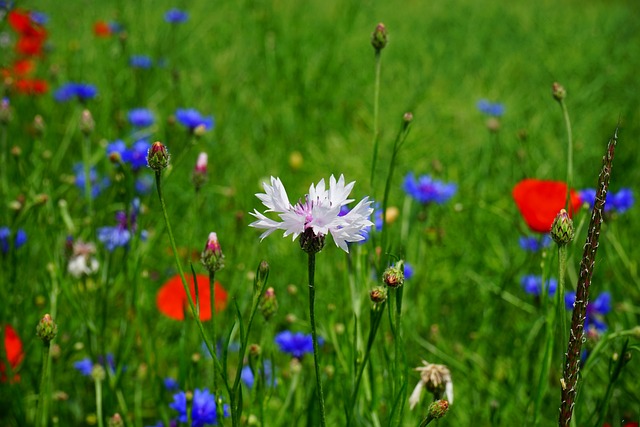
560	305
44	395
567	122
98	383
86	165
376	108
314	335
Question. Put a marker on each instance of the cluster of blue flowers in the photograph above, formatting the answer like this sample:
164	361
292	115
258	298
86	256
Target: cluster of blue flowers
425	189
532	284
136	156
97	184
19	239
493	109
82	91
619	202
296	344
85	366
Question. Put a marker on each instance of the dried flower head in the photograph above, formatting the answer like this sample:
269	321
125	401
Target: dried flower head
436	379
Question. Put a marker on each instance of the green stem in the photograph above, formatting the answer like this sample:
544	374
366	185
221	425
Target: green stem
3	170
567	123
376	107
314	335
98	383
560	305
182	277
216	391
43	398
86	159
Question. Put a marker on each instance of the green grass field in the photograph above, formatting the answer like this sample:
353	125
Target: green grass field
291	88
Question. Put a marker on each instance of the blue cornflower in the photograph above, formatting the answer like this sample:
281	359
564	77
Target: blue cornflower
5	233
595	310
192	118
494	109
19	239
619	202
248	377
532	284
97	184
117	147
427	190
144	184
39	18
85	366
115	236
141	117
71	90
295	344
203	408
140	61
171	384
535	243
176	16
408	271
136	156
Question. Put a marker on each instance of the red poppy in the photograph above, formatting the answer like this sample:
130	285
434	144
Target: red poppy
101	29
23	67
172	299
32	86
20	21
32	35
540	201
13	347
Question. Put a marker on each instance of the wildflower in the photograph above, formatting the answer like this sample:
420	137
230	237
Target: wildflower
248	377
436	379
158	156
82	91
82	262
428	190
19	239
619	202
379	37
14	354
136	156
143	184
171	299
295	344
533	243
46	329
377	221
394	276
540	201
212	257
203	408
595	310
493	109
562	231
408	271
39	18
199	176
84	366
102	29
141	117
438	409
318	214
140	61
118	235
31	34
269	303
171	384
176	16
532	284
191	119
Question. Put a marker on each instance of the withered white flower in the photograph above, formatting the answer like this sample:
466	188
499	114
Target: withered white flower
319	210
436	379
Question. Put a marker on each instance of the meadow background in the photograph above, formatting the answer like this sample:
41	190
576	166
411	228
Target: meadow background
290	86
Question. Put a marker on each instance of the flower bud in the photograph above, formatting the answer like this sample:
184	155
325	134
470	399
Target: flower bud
562	231
38	125
158	156
438	409
87	124
269	304
212	257
115	421
46	329
378	295
199	176
310	242
97	372
261	278
394	276
379	37
558	91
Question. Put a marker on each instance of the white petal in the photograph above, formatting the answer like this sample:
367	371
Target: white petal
275	196
448	389
265	223
338	192
415	395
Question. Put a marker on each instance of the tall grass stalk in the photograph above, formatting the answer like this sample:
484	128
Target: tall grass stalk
572	365
314	334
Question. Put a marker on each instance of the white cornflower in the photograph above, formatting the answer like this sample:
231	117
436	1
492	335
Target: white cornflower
436	379
319	210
